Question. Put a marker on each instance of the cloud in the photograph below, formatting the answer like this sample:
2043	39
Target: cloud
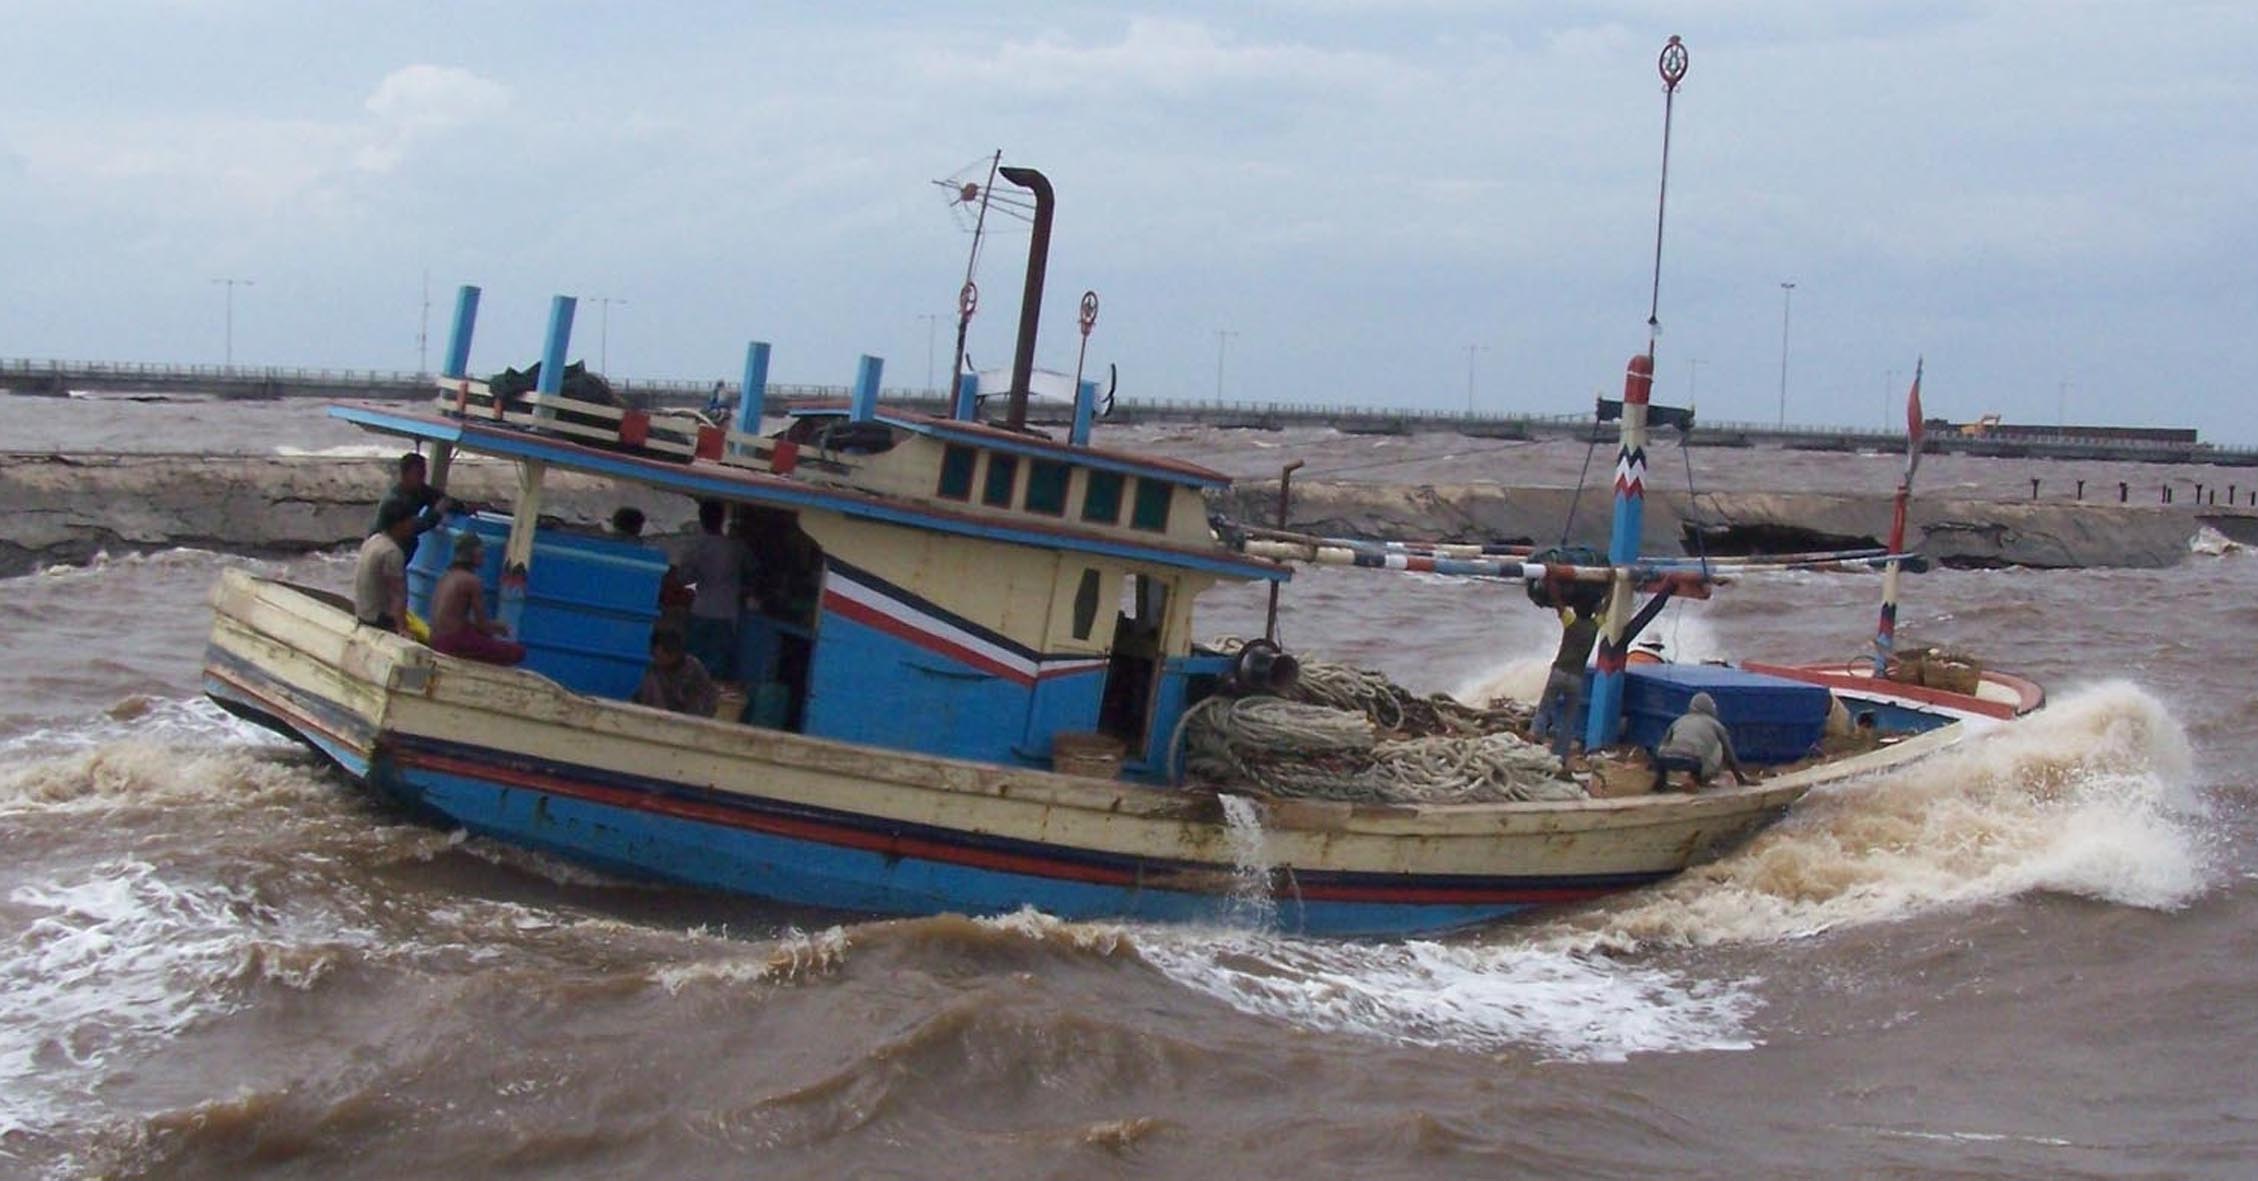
414	102
1160	55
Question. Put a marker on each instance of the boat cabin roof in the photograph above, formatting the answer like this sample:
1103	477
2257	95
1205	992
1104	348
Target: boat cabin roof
996	438
816	484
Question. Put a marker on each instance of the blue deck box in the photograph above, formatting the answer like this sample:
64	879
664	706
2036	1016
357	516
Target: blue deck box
590	601
1773	720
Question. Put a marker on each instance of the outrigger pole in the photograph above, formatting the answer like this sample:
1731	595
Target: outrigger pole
1606	707
1885	634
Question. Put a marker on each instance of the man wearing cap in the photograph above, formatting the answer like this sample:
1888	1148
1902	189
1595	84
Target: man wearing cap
380	574
428	505
1698	743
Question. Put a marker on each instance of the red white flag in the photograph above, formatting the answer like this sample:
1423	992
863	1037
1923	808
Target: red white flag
1913	424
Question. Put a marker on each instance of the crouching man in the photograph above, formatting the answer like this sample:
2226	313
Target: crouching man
1697	743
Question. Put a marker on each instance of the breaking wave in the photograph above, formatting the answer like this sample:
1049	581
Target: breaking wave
2091	797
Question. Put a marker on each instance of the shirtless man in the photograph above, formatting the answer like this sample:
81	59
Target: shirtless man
459	624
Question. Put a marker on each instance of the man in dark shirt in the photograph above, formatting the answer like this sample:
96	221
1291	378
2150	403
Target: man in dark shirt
1564	684
428	505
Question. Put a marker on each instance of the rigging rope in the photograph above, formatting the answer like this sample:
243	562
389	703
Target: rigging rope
1578	499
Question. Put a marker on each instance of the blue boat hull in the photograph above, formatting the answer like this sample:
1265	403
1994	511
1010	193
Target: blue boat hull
740	842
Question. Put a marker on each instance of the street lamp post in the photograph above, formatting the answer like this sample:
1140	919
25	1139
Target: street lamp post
2061	407
1222	338
604	331
931	320
228	354
1471	350
1787	299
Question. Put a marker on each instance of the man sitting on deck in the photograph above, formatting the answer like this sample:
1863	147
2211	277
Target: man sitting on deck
380	576
1699	743
675	680
459	624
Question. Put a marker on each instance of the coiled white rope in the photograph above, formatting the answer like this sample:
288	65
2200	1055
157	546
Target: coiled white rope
1314	749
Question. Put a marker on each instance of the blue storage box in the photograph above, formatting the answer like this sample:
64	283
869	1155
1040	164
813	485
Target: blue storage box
1773	720
590	601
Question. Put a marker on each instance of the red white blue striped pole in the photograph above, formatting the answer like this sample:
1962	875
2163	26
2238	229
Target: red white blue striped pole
1606	707
1885	633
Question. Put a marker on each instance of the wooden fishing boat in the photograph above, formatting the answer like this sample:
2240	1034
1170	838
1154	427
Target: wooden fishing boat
972	623
969	689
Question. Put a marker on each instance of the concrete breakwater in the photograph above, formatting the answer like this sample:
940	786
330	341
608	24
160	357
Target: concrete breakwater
1970	533
65	508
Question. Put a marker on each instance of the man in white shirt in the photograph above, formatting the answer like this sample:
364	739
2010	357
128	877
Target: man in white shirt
380	577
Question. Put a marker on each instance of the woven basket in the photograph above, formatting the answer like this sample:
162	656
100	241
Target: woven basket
1953	674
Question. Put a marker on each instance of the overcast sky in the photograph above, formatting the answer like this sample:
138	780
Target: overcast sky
2052	201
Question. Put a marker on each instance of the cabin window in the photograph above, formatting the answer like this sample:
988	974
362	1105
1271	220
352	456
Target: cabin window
1101	498
1086	604
1046	487
956	472
1003	472
1151	508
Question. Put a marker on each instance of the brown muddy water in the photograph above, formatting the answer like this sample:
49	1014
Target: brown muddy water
2028	957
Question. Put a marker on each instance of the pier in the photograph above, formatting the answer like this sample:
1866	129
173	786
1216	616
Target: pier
52	378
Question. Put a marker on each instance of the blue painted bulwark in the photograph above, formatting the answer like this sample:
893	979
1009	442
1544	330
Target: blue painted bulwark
968	398
553	348
1085	406
753	393
864	405
458	341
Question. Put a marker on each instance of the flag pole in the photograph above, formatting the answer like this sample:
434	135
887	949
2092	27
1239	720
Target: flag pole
1885	633
1604	712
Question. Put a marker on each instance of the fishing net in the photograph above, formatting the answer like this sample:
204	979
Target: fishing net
1345	733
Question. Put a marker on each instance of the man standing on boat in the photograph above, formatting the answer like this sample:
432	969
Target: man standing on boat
1564	685
719	565
428	505
380	575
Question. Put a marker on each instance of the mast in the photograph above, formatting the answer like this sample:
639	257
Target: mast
1885	633
1606	708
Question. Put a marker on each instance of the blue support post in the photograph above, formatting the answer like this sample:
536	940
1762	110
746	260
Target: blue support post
1085	405
457	366
968	397
753	394
458	343
553	351
864	406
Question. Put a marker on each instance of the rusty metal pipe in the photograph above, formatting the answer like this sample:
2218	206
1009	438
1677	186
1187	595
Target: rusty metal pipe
1285	501
1031	301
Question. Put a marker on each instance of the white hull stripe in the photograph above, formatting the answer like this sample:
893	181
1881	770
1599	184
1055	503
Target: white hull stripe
947	638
